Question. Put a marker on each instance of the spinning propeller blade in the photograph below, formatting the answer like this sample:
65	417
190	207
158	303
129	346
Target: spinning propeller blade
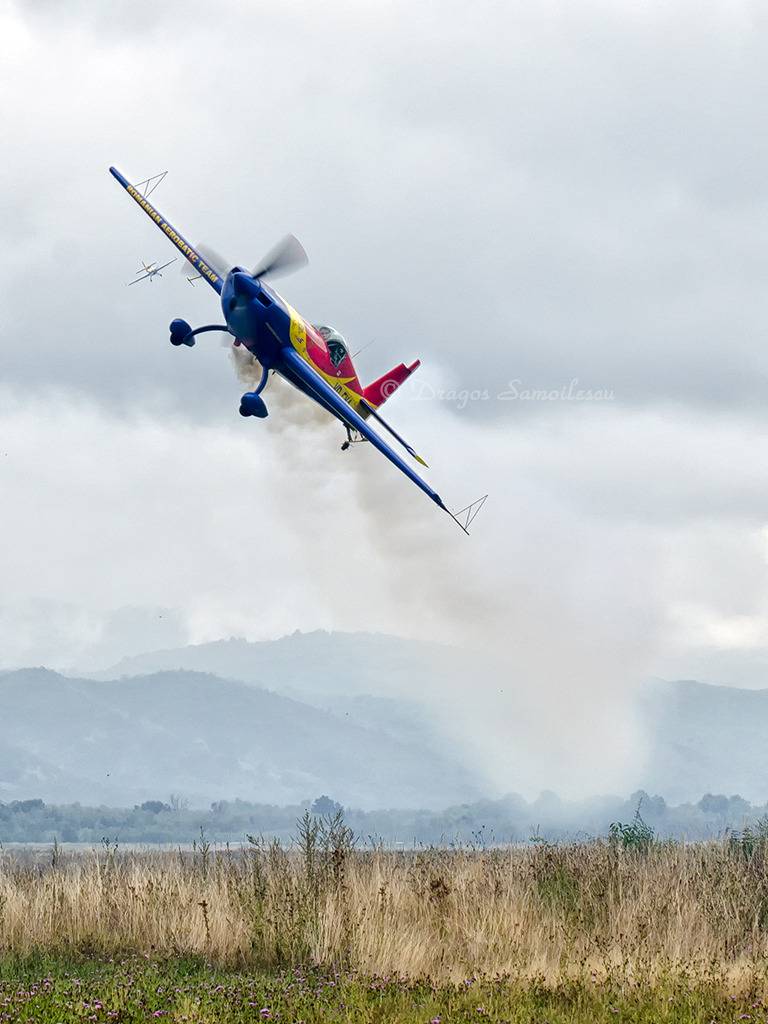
288	255
214	260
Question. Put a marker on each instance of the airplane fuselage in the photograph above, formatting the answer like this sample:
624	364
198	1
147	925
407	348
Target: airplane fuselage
262	321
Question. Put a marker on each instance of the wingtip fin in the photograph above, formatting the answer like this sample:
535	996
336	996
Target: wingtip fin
148	186
467	515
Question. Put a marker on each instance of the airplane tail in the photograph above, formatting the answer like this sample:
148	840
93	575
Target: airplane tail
377	393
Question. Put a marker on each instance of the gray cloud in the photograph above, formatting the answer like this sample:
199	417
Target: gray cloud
514	194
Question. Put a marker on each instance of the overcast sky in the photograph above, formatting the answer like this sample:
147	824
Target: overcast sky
524	196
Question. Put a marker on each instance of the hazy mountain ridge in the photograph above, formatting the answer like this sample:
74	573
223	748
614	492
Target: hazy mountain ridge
204	738
354	715
311	666
706	738
699	737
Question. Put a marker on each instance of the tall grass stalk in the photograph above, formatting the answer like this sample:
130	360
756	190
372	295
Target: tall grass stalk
547	912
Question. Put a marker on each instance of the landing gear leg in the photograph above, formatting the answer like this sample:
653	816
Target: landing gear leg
352	438
252	404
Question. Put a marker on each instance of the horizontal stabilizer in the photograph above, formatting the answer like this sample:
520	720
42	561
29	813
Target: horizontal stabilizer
370	411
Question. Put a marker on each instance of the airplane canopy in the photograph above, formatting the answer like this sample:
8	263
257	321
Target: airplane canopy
337	345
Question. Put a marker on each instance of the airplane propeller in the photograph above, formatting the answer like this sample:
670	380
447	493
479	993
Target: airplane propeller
214	260
284	258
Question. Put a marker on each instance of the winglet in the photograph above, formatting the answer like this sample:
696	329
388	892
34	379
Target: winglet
148	186
466	516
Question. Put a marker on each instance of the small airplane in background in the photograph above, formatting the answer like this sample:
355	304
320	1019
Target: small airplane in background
314	358
150	270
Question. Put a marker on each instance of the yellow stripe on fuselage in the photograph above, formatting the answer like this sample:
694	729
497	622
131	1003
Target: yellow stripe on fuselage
298	334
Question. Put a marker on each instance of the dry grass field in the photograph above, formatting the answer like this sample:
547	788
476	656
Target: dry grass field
549	913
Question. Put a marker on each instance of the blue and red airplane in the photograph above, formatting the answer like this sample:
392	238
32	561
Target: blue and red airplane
314	358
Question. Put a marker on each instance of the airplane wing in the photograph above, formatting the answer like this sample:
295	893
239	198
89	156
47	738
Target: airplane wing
144	278
299	372
164	265
187	251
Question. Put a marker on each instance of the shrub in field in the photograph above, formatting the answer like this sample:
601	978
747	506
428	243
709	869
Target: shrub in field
637	835
752	841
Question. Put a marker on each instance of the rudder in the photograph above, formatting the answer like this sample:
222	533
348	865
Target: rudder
380	390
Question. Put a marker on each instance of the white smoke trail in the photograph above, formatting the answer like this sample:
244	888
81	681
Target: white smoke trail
556	648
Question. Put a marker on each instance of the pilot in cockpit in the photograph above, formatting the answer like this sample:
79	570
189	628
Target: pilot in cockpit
337	346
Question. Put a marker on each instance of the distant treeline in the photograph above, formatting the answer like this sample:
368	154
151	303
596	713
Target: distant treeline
512	819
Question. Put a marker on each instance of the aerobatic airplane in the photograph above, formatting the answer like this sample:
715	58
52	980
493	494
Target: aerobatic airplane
151	270
313	358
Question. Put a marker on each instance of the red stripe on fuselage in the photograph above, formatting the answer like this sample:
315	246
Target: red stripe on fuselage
317	350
